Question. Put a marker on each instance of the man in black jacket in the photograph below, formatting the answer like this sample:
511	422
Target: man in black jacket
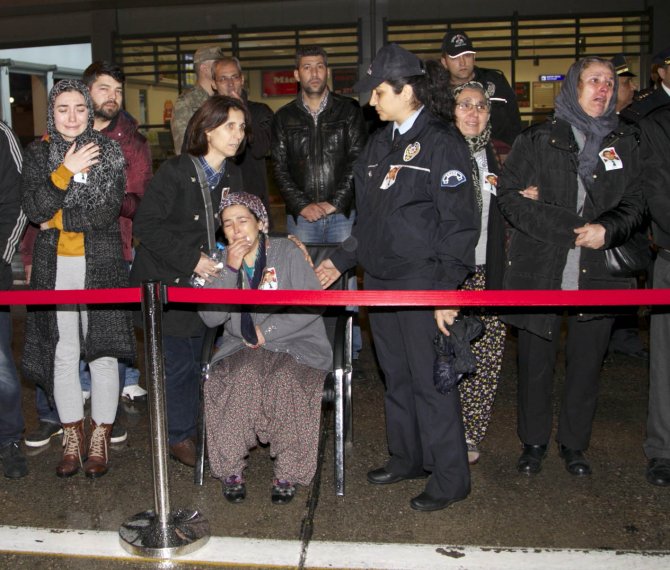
229	81
655	142
315	140
12	223
458	57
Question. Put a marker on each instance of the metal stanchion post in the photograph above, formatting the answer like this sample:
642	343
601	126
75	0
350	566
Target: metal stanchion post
160	533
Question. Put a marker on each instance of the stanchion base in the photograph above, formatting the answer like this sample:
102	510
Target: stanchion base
186	531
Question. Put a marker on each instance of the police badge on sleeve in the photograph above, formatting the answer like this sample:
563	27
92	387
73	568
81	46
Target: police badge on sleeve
452	179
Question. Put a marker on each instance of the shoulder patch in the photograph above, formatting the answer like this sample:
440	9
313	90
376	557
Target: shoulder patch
452	178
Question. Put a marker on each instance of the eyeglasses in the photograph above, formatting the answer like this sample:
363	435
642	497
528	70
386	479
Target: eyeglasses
467	106
228	78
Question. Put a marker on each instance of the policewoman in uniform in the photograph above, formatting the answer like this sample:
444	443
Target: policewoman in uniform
417	228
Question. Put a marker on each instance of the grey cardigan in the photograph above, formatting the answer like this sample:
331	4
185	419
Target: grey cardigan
298	331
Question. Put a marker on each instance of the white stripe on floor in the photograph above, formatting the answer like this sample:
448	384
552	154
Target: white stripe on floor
221	551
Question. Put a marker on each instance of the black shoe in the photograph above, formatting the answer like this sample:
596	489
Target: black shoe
234	489
43	434
357	372
424	502
383	477
640	354
530	462
119	433
13	461
658	471
283	492
575	462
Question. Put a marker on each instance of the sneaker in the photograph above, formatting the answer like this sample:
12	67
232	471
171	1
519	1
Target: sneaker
119	433
234	489
85	395
43	434
13	461
134	392
283	492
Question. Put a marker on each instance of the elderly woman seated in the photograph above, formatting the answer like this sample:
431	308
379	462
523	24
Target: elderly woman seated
267	377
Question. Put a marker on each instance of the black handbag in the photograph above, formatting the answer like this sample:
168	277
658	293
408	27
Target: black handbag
629	259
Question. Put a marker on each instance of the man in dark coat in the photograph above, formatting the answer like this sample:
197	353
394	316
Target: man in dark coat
458	57
229	80
12	222
655	145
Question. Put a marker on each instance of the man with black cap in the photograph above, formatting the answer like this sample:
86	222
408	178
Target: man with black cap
458	57
627	85
651	100
190	100
655	155
417	227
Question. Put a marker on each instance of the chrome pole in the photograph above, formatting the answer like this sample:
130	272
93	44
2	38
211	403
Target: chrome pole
160	533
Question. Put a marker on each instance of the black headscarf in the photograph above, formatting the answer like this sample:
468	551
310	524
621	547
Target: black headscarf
595	129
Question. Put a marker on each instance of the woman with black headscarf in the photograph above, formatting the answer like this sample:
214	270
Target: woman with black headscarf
567	202
73	186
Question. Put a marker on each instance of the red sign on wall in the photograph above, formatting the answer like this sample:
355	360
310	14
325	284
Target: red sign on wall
279	83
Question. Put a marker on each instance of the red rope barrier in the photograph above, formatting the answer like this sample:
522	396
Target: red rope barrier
362	298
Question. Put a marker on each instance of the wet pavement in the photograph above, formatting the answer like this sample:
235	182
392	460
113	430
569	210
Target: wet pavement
614	509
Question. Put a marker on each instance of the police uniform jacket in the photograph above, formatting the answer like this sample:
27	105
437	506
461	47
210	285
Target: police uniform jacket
418	221
505	118
546	156
655	142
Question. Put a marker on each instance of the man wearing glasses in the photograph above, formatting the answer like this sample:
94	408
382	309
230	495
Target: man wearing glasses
229	80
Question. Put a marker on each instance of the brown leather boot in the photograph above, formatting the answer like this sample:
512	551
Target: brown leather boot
98	450
74	449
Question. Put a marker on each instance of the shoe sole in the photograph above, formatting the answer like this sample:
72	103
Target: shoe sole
42	442
119	439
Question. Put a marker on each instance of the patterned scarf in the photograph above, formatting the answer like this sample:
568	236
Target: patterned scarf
254	204
595	129
110	159
477	142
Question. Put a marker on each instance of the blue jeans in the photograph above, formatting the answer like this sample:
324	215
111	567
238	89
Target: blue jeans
11	413
331	229
182	385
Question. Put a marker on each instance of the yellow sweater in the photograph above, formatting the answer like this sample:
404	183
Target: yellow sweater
69	243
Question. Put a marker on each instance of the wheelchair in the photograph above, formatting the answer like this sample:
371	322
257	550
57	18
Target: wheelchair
337	386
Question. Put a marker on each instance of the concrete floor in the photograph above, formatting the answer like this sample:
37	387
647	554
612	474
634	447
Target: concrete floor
615	509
